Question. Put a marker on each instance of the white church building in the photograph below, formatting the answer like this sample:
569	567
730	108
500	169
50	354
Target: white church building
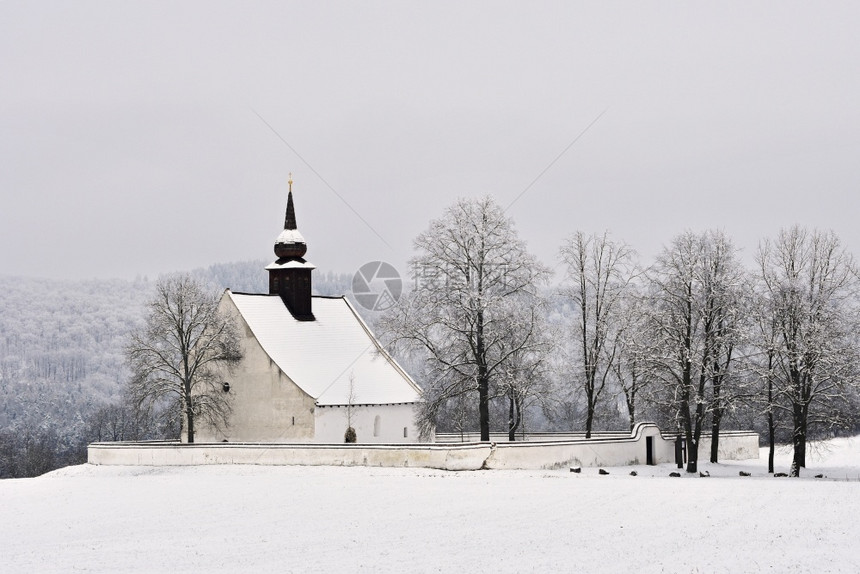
311	366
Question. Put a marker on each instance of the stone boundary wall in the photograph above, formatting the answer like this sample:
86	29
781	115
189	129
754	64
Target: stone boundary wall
600	451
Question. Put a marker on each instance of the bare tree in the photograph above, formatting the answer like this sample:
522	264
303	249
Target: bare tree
472	275
630	367
350	436
692	334
726	290
763	365
809	286
599	271
182	350
523	378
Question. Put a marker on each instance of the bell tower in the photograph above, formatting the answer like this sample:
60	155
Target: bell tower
290	274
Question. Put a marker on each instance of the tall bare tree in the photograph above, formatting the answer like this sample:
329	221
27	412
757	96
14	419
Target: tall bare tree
809	285
599	270
473	275
182	350
762	363
727	288
630	367
693	289
523	378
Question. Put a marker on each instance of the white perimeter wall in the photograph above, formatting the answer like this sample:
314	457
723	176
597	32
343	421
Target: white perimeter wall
467	456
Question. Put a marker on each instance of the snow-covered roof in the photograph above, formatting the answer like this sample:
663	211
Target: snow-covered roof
320	356
290	264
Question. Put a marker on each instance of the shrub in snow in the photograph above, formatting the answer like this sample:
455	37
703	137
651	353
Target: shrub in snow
576	469
675	474
349	435
742	473
601	471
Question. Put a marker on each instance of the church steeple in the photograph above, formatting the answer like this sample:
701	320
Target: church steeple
290	275
290	242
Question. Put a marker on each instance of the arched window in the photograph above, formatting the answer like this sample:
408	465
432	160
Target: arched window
404	432
376	426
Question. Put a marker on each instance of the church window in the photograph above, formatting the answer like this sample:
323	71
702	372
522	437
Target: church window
404	432
376	422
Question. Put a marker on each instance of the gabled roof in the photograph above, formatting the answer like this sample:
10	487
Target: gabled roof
320	356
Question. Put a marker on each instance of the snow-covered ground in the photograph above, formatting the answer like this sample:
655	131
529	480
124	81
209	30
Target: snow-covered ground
318	519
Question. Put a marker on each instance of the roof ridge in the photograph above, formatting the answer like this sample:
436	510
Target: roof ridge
276	295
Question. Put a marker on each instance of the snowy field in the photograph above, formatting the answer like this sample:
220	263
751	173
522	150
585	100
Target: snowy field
317	519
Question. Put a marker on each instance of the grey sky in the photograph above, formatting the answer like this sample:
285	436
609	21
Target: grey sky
129	143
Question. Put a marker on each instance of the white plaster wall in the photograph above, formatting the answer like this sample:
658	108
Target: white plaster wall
618	451
331	424
734	445
466	456
267	405
463	457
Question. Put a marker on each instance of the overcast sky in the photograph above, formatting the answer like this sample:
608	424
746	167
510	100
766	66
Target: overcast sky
131	138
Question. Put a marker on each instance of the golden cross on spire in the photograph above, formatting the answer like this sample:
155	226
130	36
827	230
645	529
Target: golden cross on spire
290	181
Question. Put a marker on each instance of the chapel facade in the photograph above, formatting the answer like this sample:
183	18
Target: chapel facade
311	366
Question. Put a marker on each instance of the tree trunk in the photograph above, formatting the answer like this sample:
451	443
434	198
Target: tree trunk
589	417
719	409
687	385
189	412
483	404
631	414
771	439
483	379
512	424
716	420
692	447
692	454
771	442
715	436
798	440
189	420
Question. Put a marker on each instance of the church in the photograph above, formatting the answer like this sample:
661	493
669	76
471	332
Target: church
311	367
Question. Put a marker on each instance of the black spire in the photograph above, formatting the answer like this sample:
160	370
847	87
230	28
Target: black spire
290	219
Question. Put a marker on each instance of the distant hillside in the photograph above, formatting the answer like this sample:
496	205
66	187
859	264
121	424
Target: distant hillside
251	277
